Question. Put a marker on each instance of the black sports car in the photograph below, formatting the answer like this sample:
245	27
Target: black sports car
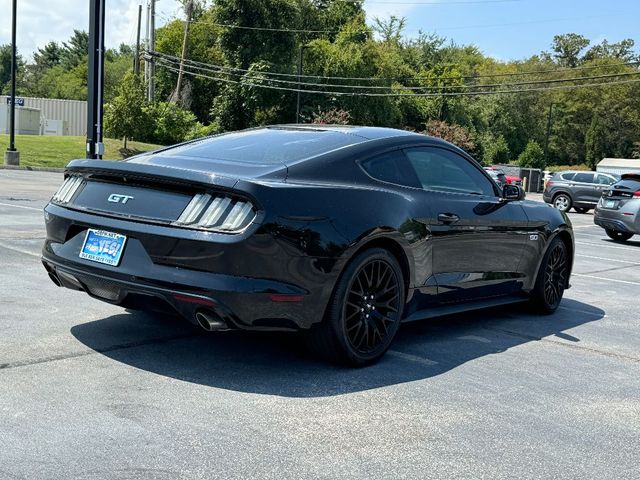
341	232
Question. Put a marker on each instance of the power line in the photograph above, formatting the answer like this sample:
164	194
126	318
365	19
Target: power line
466	77
455	27
435	4
368	94
218	70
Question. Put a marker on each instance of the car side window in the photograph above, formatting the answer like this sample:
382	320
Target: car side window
445	171
583	178
568	176
605	180
390	167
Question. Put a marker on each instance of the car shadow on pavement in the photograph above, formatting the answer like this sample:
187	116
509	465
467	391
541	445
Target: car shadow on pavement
277	364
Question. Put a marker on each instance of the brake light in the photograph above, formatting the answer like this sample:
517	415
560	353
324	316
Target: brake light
636	194
219	213
68	189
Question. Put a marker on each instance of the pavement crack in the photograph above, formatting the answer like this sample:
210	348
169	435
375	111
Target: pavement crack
112	348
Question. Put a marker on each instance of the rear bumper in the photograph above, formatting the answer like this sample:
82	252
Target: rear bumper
222	284
626	219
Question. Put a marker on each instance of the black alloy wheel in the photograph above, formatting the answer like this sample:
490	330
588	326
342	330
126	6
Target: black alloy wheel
618	236
552	278
365	311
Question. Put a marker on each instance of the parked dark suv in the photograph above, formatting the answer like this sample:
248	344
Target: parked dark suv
580	190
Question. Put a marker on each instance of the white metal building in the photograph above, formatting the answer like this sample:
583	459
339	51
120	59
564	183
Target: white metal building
619	165
57	117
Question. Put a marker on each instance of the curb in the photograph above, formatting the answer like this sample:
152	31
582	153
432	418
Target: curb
33	169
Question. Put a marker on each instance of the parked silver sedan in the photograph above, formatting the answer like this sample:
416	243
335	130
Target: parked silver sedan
618	210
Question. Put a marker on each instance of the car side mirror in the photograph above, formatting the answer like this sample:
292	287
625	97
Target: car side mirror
513	192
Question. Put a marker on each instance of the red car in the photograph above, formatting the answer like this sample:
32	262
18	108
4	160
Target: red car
510	179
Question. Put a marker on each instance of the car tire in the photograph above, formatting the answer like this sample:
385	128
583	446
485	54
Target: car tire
552	278
562	202
581	210
364	313
618	236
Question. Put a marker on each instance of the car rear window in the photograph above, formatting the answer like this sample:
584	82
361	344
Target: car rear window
631	185
268	146
390	167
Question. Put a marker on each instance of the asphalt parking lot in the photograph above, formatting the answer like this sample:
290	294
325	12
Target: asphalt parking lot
90	391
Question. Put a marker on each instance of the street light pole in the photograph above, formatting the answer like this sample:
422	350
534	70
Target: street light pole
12	156
95	147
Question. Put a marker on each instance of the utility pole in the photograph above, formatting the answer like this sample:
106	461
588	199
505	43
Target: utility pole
185	41
546	142
95	147
146	45
300	60
152	48
12	156
136	60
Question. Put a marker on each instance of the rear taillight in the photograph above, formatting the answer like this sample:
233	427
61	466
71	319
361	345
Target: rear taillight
549	184
219	213
68	189
636	194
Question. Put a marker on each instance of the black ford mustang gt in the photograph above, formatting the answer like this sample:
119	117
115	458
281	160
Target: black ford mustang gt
342	232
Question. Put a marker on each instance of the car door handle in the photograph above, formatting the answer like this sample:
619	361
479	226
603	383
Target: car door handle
448	218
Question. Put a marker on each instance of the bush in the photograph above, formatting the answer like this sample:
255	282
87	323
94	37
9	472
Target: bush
451	133
171	124
532	156
333	116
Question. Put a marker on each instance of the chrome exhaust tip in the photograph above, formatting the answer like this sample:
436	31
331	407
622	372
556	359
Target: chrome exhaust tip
209	321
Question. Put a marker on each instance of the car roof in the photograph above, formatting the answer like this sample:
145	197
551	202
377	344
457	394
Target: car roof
367	133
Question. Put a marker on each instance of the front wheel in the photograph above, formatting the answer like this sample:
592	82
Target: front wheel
552	278
562	202
618	236
365	311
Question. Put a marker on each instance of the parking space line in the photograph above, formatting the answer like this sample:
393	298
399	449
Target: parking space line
19	250
475	338
628	282
606	244
585	226
608	259
411	358
20	206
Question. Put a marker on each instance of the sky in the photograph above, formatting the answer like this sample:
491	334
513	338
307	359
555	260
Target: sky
504	29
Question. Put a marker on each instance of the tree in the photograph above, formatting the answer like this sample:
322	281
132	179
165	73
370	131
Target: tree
390	30
496	150
48	56
455	134
621	51
596	142
127	115
567	48
75	51
532	156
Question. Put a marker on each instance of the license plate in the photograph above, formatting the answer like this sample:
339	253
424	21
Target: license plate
103	247
609	204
